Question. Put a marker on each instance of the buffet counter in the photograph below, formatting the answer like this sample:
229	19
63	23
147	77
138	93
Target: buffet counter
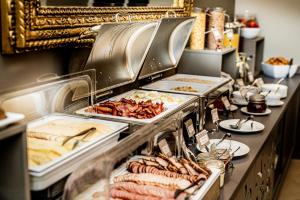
252	176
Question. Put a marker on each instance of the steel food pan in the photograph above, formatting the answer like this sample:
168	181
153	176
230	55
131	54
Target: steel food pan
100	186
169	107
114	128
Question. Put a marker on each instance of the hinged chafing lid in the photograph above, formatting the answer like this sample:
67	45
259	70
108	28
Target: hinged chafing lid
167	46
119	52
64	94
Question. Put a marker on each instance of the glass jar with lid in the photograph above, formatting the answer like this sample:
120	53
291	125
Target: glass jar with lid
257	104
197	39
216	28
232	35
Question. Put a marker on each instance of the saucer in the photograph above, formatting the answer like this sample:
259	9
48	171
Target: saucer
245	111
239	102
275	103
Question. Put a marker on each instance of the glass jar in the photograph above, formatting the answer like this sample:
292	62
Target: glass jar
217	164
232	36
257	104
197	40
216	22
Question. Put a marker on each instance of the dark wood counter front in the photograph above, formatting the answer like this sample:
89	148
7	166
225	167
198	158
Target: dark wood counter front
259	175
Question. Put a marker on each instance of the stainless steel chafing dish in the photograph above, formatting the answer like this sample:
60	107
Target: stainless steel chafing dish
164	55
55	100
120	51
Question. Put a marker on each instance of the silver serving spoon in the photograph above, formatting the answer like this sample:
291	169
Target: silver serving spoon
238	126
235	126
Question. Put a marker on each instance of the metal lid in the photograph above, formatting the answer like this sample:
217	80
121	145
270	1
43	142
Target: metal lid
64	94
119	52
167	46
217	9
197	10
257	98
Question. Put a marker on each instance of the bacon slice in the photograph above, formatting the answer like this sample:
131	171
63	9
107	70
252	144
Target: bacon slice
128	108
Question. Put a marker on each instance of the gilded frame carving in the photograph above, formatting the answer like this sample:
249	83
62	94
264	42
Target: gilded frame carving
27	26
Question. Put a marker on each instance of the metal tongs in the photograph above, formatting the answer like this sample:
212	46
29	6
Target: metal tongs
85	132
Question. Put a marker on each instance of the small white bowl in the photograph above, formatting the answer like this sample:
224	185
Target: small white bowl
250	33
272	97
278	71
282	91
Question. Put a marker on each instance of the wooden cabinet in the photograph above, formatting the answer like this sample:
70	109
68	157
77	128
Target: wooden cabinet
260	179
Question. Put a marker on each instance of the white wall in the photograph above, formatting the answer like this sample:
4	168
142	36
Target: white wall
280	23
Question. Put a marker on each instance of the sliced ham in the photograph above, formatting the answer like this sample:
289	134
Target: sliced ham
155	180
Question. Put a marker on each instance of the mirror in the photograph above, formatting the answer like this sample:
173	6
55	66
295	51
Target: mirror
112	3
30	25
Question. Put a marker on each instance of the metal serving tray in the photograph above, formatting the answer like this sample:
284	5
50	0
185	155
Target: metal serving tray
200	194
167	46
170	108
47	174
171	82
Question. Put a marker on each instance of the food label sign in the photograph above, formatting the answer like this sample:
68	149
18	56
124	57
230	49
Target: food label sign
215	115
226	102
190	128
164	147
202	138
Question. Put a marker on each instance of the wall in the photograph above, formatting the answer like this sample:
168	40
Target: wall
228	5
280	25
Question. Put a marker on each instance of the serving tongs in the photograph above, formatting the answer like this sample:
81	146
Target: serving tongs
179	191
83	133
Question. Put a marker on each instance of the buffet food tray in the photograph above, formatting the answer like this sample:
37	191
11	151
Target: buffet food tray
170	107
44	175
203	84
100	185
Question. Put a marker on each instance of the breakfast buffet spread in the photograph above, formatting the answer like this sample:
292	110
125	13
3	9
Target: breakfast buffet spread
184	160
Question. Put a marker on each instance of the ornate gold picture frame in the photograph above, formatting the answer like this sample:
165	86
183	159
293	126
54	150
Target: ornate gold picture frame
27	26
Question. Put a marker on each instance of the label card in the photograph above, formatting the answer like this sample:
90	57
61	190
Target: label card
226	102
250	77
217	34
202	138
190	128
259	82
164	147
240	82
215	115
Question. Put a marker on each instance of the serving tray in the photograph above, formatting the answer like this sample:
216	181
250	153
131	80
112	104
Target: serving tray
203	84
169	108
44	175
100	185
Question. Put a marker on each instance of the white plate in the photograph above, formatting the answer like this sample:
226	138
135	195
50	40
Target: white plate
11	118
233	108
273	104
267	112
245	128
232	145
239	103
